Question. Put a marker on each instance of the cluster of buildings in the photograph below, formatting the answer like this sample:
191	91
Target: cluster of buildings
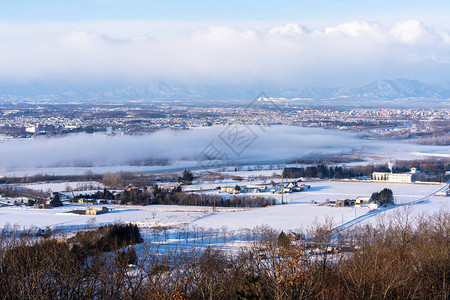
46	203
357	202
289	187
234	190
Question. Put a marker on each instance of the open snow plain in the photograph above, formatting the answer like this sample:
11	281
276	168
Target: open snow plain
299	212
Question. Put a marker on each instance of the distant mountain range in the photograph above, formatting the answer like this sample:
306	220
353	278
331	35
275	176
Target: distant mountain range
378	90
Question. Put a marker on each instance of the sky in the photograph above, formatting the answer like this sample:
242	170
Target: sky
291	43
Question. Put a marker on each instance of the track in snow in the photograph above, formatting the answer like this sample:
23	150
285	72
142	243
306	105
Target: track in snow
335	231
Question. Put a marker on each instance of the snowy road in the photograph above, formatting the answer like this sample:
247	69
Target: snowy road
335	231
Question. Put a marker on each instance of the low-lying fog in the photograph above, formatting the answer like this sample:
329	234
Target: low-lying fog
244	145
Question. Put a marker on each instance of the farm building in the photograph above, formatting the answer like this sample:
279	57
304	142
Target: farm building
93	210
362	201
344	203
374	205
230	190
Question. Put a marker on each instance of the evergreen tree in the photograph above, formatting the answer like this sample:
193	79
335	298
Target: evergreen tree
56	201
188	177
385	197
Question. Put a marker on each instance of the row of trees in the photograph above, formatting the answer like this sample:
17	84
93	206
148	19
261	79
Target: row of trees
325	172
123	179
176	197
105	239
212	200
432	167
397	259
14	191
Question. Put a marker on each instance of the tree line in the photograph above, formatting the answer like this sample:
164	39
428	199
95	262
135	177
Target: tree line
158	195
396	259
325	172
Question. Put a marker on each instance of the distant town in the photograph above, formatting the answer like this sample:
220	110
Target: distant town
23	120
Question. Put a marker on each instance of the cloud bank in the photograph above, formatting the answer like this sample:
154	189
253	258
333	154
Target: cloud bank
350	53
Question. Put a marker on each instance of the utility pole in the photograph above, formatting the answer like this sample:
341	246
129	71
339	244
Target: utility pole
282	187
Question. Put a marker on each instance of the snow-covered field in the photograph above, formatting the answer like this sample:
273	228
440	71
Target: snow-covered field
150	216
298	213
65	186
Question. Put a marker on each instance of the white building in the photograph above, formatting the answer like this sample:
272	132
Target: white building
230	190
396	177
443	194
373	205
32	129
362	201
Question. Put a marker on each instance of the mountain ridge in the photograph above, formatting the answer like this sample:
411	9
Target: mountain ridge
386	89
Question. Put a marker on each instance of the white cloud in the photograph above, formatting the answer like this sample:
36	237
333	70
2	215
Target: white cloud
357	29
82	38
347	53
409	32
289	30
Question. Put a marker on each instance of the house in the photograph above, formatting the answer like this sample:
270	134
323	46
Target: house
374	205
443	194
230	190
32	129
362	200
44	206
83	200
331	203
62	196
254	189
304	187
168	186
96	210
282	190
292	185
93	210
295	187
344	203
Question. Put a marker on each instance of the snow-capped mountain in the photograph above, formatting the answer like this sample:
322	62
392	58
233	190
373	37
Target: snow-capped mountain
399	88
378	90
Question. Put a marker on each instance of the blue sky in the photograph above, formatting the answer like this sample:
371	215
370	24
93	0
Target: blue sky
224	11
295	43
